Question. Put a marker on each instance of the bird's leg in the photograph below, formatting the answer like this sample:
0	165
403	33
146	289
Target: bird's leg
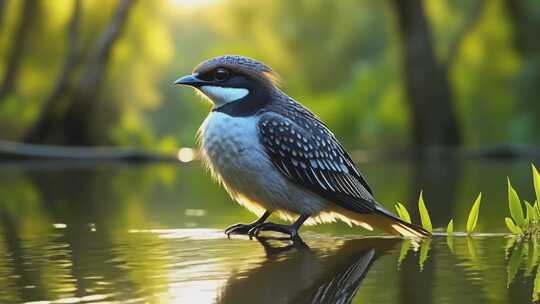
245	228
291	230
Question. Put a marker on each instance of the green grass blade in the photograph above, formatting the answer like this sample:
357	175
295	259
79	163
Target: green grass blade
473	250
532	258
515	207
512	226
531	213
398	211
424	214
536	179
513	264
424	253
473	214
450	227
403	213
405	246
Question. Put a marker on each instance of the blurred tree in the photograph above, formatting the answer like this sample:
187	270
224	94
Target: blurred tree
340	58
2	9
27	18
335	56
472	16
524	17
76	122
70	122
428	89
526	24
50	113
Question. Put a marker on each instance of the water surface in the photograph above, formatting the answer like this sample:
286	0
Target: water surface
110	232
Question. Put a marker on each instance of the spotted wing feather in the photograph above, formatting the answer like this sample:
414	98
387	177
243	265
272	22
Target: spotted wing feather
307	153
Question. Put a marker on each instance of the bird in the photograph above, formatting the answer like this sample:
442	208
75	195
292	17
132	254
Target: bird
275	156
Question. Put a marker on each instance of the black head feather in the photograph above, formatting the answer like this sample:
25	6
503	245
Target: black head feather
241	65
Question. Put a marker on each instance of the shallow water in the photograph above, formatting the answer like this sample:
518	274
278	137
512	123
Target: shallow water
91	233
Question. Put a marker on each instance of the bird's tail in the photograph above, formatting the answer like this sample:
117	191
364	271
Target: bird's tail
386	221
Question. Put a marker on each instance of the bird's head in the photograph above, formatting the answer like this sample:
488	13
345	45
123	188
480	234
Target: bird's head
231	78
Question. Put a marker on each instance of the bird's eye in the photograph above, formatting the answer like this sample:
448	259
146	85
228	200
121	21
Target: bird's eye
221	74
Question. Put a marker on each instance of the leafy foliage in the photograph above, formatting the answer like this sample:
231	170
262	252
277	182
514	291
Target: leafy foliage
512	226
524	222
514	205
472	220
536	181
355	86
450	227
403	213
424	214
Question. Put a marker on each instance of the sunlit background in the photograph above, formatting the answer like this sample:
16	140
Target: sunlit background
343	59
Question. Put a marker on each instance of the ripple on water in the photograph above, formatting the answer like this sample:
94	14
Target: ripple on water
203	266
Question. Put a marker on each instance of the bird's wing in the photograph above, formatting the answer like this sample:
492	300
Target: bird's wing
307	153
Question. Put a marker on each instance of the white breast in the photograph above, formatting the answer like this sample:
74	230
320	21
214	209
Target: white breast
230	147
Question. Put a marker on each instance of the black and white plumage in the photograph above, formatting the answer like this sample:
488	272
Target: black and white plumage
274	155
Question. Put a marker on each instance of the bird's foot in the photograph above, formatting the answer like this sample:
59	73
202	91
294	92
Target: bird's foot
291	230
270	244
240	228
246	228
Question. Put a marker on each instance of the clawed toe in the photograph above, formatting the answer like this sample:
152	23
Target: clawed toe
254	232
246	228
289	230
256	227
238	229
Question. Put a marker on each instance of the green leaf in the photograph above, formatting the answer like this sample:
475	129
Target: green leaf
532	258
513	264
403	213
473	214
424	214
424	250
531	213
473	250
405	246
515	207
512	226
536	180
450	235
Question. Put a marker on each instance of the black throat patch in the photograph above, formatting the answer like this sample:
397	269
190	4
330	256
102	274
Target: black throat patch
248	105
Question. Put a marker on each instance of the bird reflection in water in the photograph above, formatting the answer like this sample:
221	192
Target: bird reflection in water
295	273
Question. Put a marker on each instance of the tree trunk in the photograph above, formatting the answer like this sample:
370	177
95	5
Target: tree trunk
27	17
77	120
428	90
52	105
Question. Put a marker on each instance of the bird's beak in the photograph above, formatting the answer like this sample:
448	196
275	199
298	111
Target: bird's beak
190	80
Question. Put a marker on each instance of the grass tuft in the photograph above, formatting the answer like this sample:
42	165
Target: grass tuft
524	218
